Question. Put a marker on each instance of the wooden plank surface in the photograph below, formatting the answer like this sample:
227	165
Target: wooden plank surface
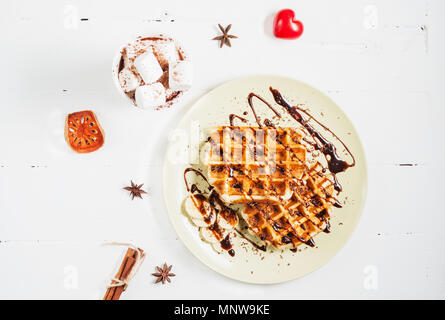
381	61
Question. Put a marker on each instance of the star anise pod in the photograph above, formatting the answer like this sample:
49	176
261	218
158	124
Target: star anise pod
225	37
163	274
135	190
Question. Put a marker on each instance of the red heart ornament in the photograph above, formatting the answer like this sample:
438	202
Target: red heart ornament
285	26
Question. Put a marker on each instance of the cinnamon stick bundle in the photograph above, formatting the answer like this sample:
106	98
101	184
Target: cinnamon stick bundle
116	288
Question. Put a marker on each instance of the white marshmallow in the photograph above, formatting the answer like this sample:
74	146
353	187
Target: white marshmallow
180	76
131	52
166	52
148	67
150	96
128	80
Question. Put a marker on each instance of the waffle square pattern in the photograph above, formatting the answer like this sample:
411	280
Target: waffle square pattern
287	199
297	220
249	163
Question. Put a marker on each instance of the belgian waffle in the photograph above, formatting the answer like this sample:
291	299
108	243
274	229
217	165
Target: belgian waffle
255	164
298	219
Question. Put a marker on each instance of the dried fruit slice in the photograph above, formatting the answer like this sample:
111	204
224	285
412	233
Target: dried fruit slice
83	132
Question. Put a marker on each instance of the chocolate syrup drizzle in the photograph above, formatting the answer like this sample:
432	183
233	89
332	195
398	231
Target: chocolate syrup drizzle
316	145
257	119
194	187
335	165
238	185
233	116
217	205
262	248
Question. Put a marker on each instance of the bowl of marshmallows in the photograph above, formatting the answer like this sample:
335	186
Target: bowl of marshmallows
153	72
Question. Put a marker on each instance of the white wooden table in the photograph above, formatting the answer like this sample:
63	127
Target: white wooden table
380	60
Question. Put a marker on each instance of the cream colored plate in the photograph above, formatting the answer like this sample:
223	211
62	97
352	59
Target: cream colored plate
213	109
